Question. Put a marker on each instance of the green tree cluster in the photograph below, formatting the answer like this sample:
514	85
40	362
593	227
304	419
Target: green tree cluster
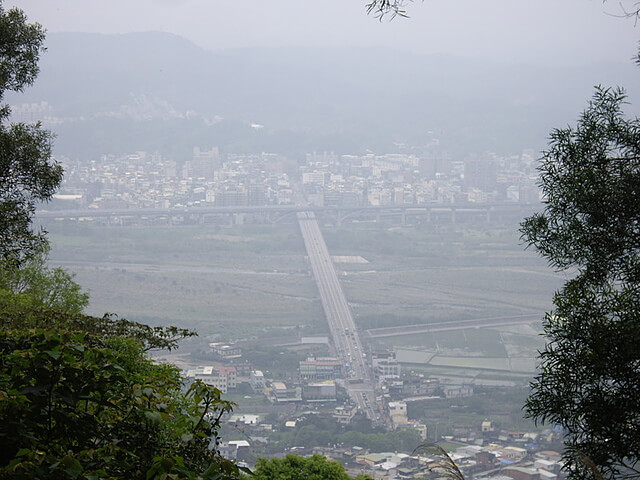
590	368
79	396
295	467
38	285
314	432
28	174
81	399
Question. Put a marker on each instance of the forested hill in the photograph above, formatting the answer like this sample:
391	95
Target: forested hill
334	99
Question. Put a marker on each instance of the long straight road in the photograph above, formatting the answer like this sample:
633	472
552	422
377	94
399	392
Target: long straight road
343	329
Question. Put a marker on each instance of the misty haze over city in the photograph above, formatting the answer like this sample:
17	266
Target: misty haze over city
333	200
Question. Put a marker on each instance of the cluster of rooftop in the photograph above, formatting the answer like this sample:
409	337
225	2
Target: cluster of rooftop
493	454
210	178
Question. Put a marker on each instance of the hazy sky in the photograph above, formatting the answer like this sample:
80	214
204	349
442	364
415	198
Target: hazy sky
540	31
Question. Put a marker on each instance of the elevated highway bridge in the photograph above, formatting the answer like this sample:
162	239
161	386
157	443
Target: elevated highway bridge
274	214
346	339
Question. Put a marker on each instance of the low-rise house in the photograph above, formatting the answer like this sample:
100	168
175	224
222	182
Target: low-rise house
548	465
521	473
514	454
319	391
256	380
398	412
222	378
320	369
457	391
246	419
344	414
280	393
226	350
237	450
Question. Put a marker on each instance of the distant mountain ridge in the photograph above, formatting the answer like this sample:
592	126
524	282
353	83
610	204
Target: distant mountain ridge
376	93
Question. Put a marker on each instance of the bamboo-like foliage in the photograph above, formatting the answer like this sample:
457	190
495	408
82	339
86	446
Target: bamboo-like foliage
445	466
589	371
387	8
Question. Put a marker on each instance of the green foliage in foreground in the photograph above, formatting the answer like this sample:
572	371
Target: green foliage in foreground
295	467
590	368
80	399
28	174
35	284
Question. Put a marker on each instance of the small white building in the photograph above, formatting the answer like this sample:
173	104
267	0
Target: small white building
222	378
256	380
398	412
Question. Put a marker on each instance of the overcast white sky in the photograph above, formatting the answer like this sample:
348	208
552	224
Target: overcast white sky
540	31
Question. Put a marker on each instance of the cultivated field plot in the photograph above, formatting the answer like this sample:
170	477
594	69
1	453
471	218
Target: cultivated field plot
450	274
232	282
469	342
510	350
237	281
446	293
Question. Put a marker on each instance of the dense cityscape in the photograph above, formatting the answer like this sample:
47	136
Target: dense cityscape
209	178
